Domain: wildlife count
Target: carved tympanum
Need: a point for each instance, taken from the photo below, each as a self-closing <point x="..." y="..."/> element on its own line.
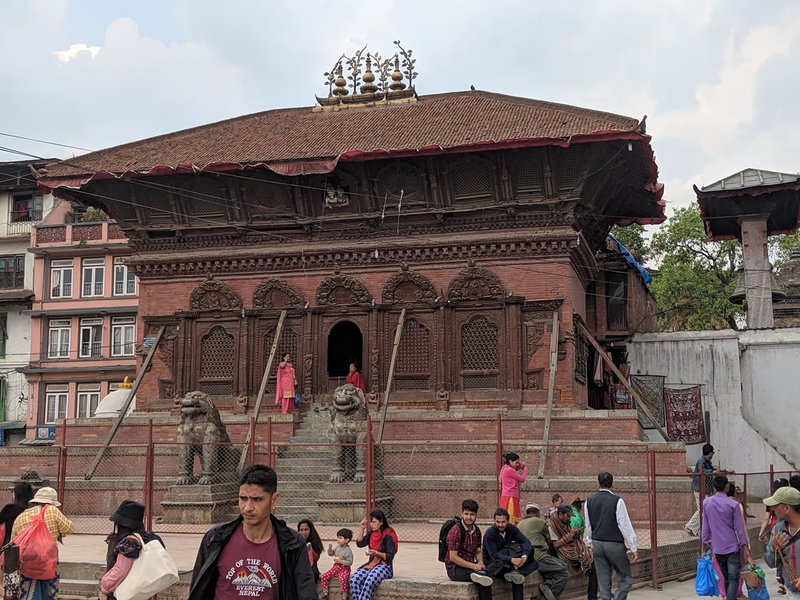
<point x="276" y="293"/>
<point x="214" y="295"/>
<point x="475" y="283"/>
<point x="342" y="290"/>
<point x="408" y="286"/>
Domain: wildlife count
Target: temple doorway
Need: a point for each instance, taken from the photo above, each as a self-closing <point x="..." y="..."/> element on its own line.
<point x="345" y="345"/>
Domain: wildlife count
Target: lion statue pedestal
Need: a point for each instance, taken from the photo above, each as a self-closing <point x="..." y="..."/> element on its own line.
<point x="343" y="498"/>
<point x="211" y="496"/>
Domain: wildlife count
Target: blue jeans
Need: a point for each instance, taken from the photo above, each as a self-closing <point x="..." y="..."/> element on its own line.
<point x="731" y="566"/>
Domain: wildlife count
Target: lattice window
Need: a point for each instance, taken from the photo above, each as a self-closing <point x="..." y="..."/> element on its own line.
<point x="479" y="345"/>
<point x="568" y="164"/>
<point x="413" y="355"/>
<point x="581" y="357"/>
<point x="287" y="343"/>
<point x="472" y="178"/>
<point x="527" y="173"/>
<point x="217" y="354"/>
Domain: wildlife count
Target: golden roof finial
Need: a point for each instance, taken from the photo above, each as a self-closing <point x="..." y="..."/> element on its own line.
<point x="369" y="86"/>
<point x="126" y="384"/>
<point x="397" y="84"/>
<point x="340" y="82"/>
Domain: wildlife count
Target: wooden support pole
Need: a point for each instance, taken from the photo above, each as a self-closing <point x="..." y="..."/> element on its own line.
<point x="263" y="387"/>
<point x="634" y="394"/>
<point x="397" y="335"/>
<point x="124" y="410"/>
<point x="551" y="384"/>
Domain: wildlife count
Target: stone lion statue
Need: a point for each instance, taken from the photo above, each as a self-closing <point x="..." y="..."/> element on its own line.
<point x="201" y="432"/>
<point x="348" y="426"/>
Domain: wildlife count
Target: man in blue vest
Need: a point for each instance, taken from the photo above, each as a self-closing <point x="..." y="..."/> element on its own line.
<point x="610" y="534"/>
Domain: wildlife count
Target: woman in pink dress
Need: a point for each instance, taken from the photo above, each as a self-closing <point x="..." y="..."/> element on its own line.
<point x="286" y="384"/>
<point x="511" y="476"/>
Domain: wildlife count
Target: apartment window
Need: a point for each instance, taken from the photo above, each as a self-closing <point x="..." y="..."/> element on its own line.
<point x="61" y="279"/>
<point x="124" y="279"/>
<point x="93" y="277"/>
<point x="12" y="272"/>
<point x="616" y="301"/>
<point x="55" y="404"/>
<point x="123" y="336"/>
<point x="26" y="207"/>
<point x="58" y="338"/>
<point x="91" y="338"/>
<point x="88" y="399"/>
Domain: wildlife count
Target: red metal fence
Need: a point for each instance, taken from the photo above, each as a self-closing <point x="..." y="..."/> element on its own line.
<point x="418" y="483"/>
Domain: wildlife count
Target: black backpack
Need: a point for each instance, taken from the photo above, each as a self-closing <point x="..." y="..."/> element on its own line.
<point x="445" y="529"/>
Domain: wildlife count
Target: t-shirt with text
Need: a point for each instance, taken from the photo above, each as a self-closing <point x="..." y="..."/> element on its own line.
<point x="248" y="570"/>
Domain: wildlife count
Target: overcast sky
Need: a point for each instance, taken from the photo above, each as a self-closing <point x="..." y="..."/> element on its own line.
<point x="717" y="79"/>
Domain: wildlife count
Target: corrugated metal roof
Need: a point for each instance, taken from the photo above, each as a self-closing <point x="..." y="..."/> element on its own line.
<point x="750" y="178"/>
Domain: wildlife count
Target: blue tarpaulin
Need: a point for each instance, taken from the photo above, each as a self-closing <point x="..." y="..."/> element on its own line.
<point x="646" y="278"/>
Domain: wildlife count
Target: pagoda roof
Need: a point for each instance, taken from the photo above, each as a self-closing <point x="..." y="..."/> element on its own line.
<point x="295" y="141"/>
<point x="750" y="178"/>
<point x="750" y="192"/>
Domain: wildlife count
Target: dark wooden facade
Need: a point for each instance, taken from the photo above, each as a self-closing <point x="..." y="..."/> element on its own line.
<point x="479" y="247"/>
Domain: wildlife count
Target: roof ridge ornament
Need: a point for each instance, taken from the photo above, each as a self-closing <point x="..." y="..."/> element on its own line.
<point x="381" y="82"/>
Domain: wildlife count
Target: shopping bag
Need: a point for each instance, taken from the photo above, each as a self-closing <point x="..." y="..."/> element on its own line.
<point x="755" y="581"/>
<point x="38" y="553"/>
<point x="297" y="399"/>
<point x="706" y="582"/>
<point x="151" y="573"/>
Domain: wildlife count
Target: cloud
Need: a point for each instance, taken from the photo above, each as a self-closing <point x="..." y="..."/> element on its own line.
<point x="74" y="50"/>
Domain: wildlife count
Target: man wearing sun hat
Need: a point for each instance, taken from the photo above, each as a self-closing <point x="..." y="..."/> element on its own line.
<point x="783" y="550"/>
<point x="45" y="499"/>
<point x="552" y="570"/>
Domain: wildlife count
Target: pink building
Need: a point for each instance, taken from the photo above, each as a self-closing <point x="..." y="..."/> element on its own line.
<point x="83" y="318"/>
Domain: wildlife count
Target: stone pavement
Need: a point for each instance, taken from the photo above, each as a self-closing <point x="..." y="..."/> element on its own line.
<point x="414" y="561"/>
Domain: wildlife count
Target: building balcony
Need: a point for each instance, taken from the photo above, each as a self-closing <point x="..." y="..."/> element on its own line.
<point x="74" y="234"/>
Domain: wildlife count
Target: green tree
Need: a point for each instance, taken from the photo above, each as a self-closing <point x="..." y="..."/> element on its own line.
<point x="696" y="276"/>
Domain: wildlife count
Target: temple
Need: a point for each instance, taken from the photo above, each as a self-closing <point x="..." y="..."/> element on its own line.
<point x="479" y="213"/>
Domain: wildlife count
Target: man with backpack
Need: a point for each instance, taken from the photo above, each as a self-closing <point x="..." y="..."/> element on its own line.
<point x="460" y="548"/>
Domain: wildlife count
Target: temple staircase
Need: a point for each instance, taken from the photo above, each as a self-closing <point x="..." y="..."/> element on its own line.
<point x="304" y="469"/>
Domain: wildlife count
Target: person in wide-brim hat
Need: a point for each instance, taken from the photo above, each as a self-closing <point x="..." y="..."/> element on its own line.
<point x="128" y="520"/>
<point x="46" y="495"/>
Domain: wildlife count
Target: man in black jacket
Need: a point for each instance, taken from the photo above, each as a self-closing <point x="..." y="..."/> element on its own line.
<point x="507" y="553"/>
<point x="255" y="555"/>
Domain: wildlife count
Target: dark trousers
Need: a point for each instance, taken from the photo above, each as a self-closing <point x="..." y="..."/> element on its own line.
<point x="591" y="588"/>
<point x="456" y="573"/>
<point x="730" y="565"/>
<point x="497" y="568"/>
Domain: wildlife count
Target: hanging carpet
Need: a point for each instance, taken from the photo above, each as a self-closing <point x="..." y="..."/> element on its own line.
<point x="651" y="390"/>
<point x="684" y="410"/>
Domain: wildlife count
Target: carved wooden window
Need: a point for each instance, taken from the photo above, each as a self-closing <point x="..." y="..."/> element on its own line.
<point x="217" y="362"/>
<point x="527" y="173"/>
<point x="480" y="364"/>
<point x="287" y="343"/>
<point x="567" y="164"/>
<point x="413" y="357"/>
<point x="616" y="301"/>
<point x="203" y="197"/>
<point x="472" y="178"/>
<point x="581" y="357"/>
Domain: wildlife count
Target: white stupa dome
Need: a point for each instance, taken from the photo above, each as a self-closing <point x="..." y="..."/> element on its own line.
<point x="112" y="404"/>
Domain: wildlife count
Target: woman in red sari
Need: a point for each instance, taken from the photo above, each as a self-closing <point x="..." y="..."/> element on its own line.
<point x="285" y="384"/>
<point x="355" y="378"/>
